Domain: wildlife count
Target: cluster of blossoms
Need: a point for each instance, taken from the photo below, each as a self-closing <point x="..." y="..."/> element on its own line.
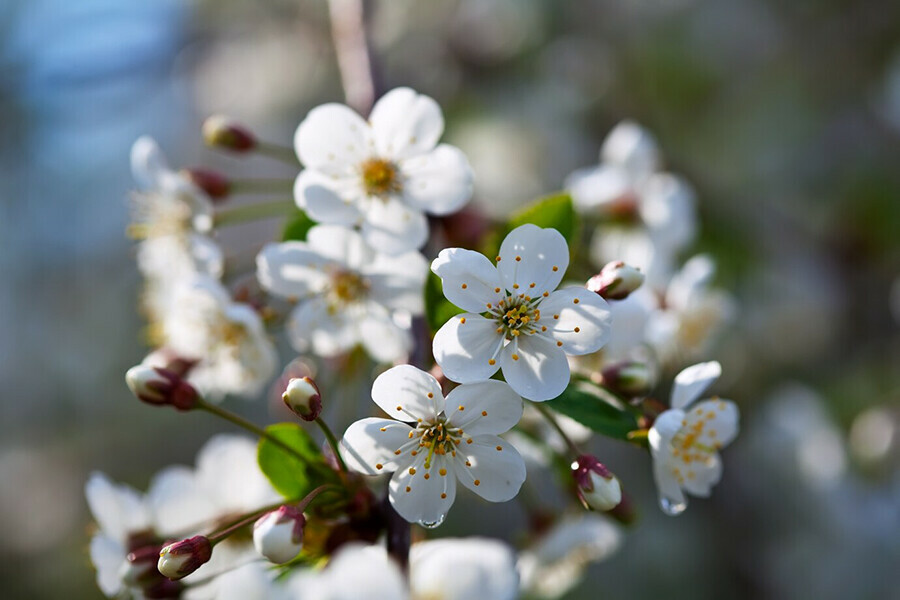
<point x="521" y="355"/>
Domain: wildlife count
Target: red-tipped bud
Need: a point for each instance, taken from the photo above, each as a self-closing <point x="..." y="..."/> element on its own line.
<point x="278" y="535"/>
<point x="598" y="488"/>
<point x="631" y="378"/>
<point x="215" y="184"/>
<point x="303" y="398"/>
<point x="183" y="558"/>
<point x="221" y="132"/>
<point x="158" y="386"/>
<point x="616" y="281"/>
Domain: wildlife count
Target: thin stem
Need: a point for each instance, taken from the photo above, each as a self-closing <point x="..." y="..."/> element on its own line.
<point x="282" y="153"/>
<point x="332" y="441"/>
<point x="261" y="186"/>
<point x="251" y="427"/>
<point x="348" y="34"/>
<point x="552" y="420"/>
<point x="254" y="212"/>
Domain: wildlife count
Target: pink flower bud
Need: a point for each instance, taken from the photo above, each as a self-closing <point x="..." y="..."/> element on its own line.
<point x="616" y="281"/>
<point x="631" y="378"/>
<point x="183" y="558"/>
<point x="278" y="535"/>
<point x="216" y="185"/>
<point x="221" y="132"/>
<point x="598" y="488"/>
<point x="155" y="385"/>
<point x="303" y="398"/>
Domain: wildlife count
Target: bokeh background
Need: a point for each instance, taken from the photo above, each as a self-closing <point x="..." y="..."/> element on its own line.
<point x="784" y="115"/>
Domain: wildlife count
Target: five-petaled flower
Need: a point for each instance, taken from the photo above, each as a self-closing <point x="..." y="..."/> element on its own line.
<point x="347" y="293"/>
<point x="685" y="443"/>
<point x="380" y="175"/>
<point x="516" y="321"/>
<point x="437" y="440"/>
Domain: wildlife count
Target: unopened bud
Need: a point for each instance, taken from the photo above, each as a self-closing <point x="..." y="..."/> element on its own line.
<point x="278" y="535"/>
<point x="221" y="132"/>
<point x="216" y="185"/>
<point x="183" y="558"/>
<point x="158" y="386"/>
<point x="616" y="281"/>
<point x="632" y="378"/>
<point x="598" y="488"/>
<point x="303" y="398"/>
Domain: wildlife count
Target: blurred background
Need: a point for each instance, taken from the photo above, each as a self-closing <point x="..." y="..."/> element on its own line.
<point x="784" y="115"/>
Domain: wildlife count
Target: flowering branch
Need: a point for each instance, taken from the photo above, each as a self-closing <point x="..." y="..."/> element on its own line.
<point x="355" y="65"/>
<point x="251" y="427"/>
<point x="555" y="424"/>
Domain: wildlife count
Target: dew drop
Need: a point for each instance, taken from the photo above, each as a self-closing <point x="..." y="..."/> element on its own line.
<point x="433" y="524"/>
<point x="671" y="508"/>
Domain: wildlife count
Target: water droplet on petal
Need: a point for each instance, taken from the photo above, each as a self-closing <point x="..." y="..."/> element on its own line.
<point x="672" y="508"/>
<point x="433" y="524"/>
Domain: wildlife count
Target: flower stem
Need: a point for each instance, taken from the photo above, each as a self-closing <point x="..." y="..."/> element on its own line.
<point x="282" y="153"/>
<point x="254" y="212"/>
<point x="552" y="420"/>
<point x="332" y="441"/>
<point x="348" y="32"/>
<point x="251" y="427"/>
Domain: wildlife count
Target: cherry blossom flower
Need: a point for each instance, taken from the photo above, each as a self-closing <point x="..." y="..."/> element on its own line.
<point x="381" y="174"/>
<point x="515" y="320"/>
<point x="227" y="338"/>
<point x="449" y="439"/>
<point x="347" y="293"/>
<point x="684" y="442"/>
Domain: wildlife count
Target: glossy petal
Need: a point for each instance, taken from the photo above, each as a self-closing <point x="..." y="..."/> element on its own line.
<point x="463" y="569"/>
<point x="488" y="407"/>
<point x="383" y="339"/>
<point x="421" y="499"/>
<point x="540" y="371"/>
<point x="372" y="442"/>
<point x="405" y="123"/>
<point x="407" y="393"/>
<point x="118" y="509"/>
<point x="671" y="498"/>
<point x="328" y="200"/>
<point x="392" y="227"/>
<point x="108" y="556"/>
<point x="291" y="270"/>
<point x="179" y="502"/>
<point x="439" y="182"/>
<point x="532" y="255"/>
<point x="633" y="148"/>
<point x="598" y="189"/>
<point x="499" y="473"/>
<point x="340" y="244"/>
<point x="469" y="279"/>
<point x="700" y="477"/>
<point x="228" y="471"/>
<point x="693" y="381"/>
<point x="397" y="282"/>
<point x="333" y="139"/>
<point x="148" y="163"/>
<point x="668" y="208"/>
<point x="578" y="318"/>
<point x="330" y="333"/>
<point x="720" y="422"/>
<point x="464" y="347"/>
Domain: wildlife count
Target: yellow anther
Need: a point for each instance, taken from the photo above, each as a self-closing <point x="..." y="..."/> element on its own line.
<point x="518" y="258"/>
<point x="499" y="448"/>
<point x="484" y="413"/>
<point x="412" y="471"/>
<point x="443" y="472"/>
<point x="477" y="482"/>
<point x="464" y="286"/>
<point x="575" y="301"/>
<point x="577" y="329"/>
<point x="491" y="361"/>
<point x="555" y="268"/>
<point x="515" y="357"/>
<point x="379" y="466"/>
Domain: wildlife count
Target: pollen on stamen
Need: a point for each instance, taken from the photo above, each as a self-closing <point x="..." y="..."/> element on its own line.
<point x="469" y="441"/>
<point x="411" y="434"/>
<point x="461" y="407"/>
<point x="532" y="284"/>
<point x="515" y="357"/>
<point x="477" y="482"/>
<point x="443" y="472"/>
<point x="498" y="258"/>
<point x="464" y="286"/>
<point x="468" y="464"/>
<point x="484" y="413"/>
<point x="496" y="290"/>
<point x="414" y="452"/>
<point x="408" y="489"/>
<point x="462" y="321"/>
<point x="555" y="268"/>
<point x="559" y="343"/>
<point x="443" y="495"/>
<point x="412" y="471"/>
<point x="384" y="429"/>
<point x="489" y="305"/>
<point x="427" y="476"/>
<point x="491" y="361"/>
<point x="543" y="328"/>
<point x="515" y="286"/>
<point x="379" y="466"/>
<point x="499" y="448"/>
<point x="577" y="329"/>
<point x="518" y="258"/>
<point x="399" y="407"/>
<point x="575" y="301"/>
<point x="397" y="452"/>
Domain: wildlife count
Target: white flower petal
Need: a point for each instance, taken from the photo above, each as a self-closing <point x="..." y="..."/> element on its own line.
<point x="372" y="442"/>
<point x="405" y="123"/>
<point x="207" y="255"/>
<point x="577" y="317"/>
<point x="690" y="282"/>
<point x="108" y="556"/>
<point x="539" y="370"/>
<point x="693" y="381"/>
<point x="328" y="200"/>
<point x="464" y="347"/>
<point x="330" y="333"/>
<point x="632" y="147"/>
<point x="291" y="270"/>
<point x="353" y="568"/>
<point x="469" y="279"/>
<point x="179" y="503"/>
<point x="702" y="475"/>
<point x="533" y="260"/>
<point x="407" y="393"/>
<point x="397" y="282"/>
<point x="671" y="498"/>
<point x="421" y="499"/>
<point x="463" y="569"/>
<point x="383" y="339"/>
<point x="499" y="473"/>
<point x="227" y="469"/>
<point x="439" y="183"/>
<point x="599" y="189"/>
<point x="118" y="509"/>
<point x="333" y="139"/>
<point x="148" y="163"/>
<point x="340" y="244"/>
<point x="720" y="422"/>
<point x="489" y="407"/>
<point x="392" y="227"/>
<point x="667" y="207"/>
<point x="665" y="427"/>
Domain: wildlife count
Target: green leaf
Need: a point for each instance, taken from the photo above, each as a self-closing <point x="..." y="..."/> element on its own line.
<point x="296" y="227"/>
<point x="592" y="408"/>
<point x="554" y="211"/>
<point x="291" y="476"/>
<point x="438" y="309"/>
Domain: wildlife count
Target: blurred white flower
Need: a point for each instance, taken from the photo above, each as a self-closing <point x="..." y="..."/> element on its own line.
<point x="348" y="293"/>
<point x="555" y="563"/>
<point x="381" y="174"/>
<point x="228" y="339"/>
<point x="685" y="443"/>
<point x="451" y="438"/>
<point x="531" y="328"/>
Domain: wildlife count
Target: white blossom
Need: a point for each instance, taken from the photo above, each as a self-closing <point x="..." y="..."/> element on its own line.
<point x="685" y="441"/>
<point x="347" y="293"/>
<point x="228" y="339"/>
<point x="449" y="439"/>
<point x="381" y="174"/>
<point x="515" y="320"/>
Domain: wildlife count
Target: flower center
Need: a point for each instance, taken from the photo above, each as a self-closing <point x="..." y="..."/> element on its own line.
<point x="347" y="287"/>
<point x="516" y="315"/>
<point x="438" y="438"/>
<point x="380" y="177"/>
